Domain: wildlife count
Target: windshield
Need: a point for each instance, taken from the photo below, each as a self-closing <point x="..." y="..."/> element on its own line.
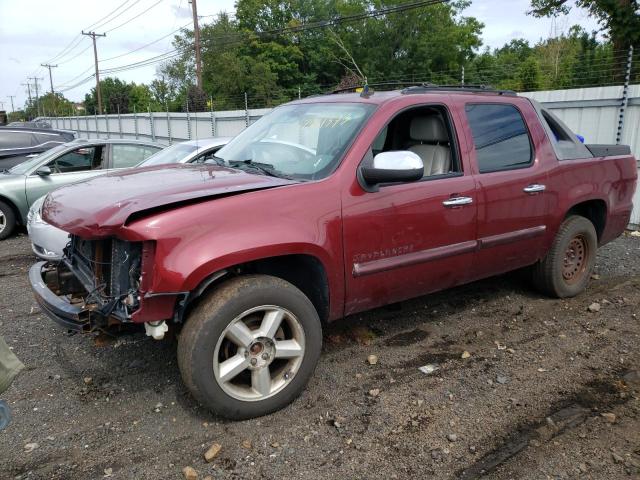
<point x="303" y="141"/>
<point x="172" y="154"/>
<point x="24" y="167"/>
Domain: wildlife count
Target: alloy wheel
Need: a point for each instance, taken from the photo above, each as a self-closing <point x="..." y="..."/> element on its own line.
<point x="259" y="353"/>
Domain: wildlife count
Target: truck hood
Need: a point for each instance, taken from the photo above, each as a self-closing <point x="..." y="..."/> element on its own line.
<point x="98" y="207"/>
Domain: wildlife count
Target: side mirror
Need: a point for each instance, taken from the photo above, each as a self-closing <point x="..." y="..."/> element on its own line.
<point x="392" y="167"/>
<point x="44" y="171"/>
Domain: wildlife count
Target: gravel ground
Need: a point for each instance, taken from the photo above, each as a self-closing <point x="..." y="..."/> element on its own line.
<point x="548" y="389"/>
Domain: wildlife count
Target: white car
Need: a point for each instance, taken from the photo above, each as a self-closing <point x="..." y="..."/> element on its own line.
<point x="48" y="242"/>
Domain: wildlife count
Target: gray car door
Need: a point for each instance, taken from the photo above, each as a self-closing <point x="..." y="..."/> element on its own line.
<point x="72" y="166"/>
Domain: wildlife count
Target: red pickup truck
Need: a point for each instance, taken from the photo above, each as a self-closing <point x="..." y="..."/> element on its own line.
<point x="325" y="207"/>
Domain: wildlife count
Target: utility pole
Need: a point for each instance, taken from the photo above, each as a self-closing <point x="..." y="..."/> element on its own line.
<point x="35" y="81"/>
<point x="12" y="97"/>
<point x="196" y="34"/>
<point x="93" y="36"/>
<point x="28" y="85"/>
<point x="50" y="77"/>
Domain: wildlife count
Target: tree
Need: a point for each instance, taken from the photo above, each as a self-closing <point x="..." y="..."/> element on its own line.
<point x="51" y="104"/>
<point x="529" y="75"/>
<point x="115" y="97"/>
<point x="259" y="53"/>
<point x="619" y="18"/>
<point x="141" y="99"/>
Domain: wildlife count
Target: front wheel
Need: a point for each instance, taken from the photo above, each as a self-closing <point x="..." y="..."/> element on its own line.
<point x="567" y="267"/>
<point x="250" y="347"/>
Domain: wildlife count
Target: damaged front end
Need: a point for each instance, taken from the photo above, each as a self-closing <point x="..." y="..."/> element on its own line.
<point x="96" y="286"/>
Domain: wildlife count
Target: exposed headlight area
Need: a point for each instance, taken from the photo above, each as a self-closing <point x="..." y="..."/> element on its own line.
<point x="101" y="277"/>
<point x="109" y="270"/>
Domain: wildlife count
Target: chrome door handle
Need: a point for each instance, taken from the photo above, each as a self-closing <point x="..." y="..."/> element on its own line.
<point x="457" y="202"/>
<point x="534" y="188"/>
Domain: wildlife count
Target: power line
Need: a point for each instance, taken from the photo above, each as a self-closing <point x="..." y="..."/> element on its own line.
<point x="146" y="45"/>
<point x="116" y="16"/>
<point x="75" y="56"/>
<point x="97" y="23"/>
<point x="133" y="18"/>
<point x="65" y="84"/>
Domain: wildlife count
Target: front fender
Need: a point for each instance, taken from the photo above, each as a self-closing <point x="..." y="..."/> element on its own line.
<point x="196" y="241"/>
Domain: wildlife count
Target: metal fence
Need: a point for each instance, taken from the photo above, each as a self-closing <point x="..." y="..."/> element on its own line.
<point x="161" y="127"/>
<point x="600" y="114"/>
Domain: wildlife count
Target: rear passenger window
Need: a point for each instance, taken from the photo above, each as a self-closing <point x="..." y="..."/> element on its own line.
<point x="125" y="156"/>
<point x="500" y="136"/>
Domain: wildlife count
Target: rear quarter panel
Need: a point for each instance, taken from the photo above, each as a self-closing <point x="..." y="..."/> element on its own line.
<point x="610" y="179"/>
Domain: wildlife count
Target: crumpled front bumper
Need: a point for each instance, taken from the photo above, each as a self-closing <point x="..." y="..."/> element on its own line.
<point x="69" y="316"/>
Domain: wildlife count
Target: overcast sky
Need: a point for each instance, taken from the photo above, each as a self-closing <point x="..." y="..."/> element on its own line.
<point x="38" y="31"/>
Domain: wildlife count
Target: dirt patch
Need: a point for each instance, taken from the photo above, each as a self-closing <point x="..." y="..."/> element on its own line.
<point x="546" y="389"/>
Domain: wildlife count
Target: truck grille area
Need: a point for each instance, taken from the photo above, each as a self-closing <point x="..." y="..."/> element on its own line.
<point x="109" y="270"/>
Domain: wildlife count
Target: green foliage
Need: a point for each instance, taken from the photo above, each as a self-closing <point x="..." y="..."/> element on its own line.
<point x="119" y="96"/>
<point x="619" y="18"/>
<point x="262" y="54"/>
<point x="51" y="104"/>
<point x="247" y="55"/>
<point x="17" y="116"/>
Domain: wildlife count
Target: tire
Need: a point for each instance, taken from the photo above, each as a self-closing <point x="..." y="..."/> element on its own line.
<point x="566" y="269"/>
<point x="7" y="221"/>
<point x="213" y="334"/>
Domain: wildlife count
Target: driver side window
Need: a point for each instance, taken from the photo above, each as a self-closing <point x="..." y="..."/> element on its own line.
<point x="425" y="131"/>
<point x="79" y="160"/>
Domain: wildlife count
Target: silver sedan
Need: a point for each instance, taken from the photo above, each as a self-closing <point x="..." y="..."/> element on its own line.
<point x="48" y="242"/>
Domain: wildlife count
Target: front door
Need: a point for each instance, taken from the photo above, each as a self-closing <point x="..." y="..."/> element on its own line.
<point x="72" y="166"/>
<point x="409" y="239"/>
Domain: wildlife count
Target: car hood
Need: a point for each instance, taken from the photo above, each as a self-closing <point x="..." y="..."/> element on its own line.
<point x="100" y="206"/>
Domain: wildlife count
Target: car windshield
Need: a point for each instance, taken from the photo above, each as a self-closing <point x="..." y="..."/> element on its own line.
<point x="304" y="141"/>
<point x="24" y="167"/>
<point x="172" y="154"/>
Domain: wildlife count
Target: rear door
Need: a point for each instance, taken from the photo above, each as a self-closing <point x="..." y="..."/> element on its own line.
<point x="511" y="183"/>
<point x="128" y="155"/>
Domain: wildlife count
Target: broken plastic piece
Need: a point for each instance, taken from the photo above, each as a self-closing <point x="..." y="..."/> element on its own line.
<point x="156" y="329"/>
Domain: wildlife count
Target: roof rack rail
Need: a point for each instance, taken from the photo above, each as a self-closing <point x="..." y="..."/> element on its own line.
<point x="471" y="88"/>
<point x="353" y="88"/>
<point x="422" y="87"/>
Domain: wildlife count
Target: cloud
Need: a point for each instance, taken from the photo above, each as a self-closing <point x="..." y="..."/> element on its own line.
<point x="181" y="12"/>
